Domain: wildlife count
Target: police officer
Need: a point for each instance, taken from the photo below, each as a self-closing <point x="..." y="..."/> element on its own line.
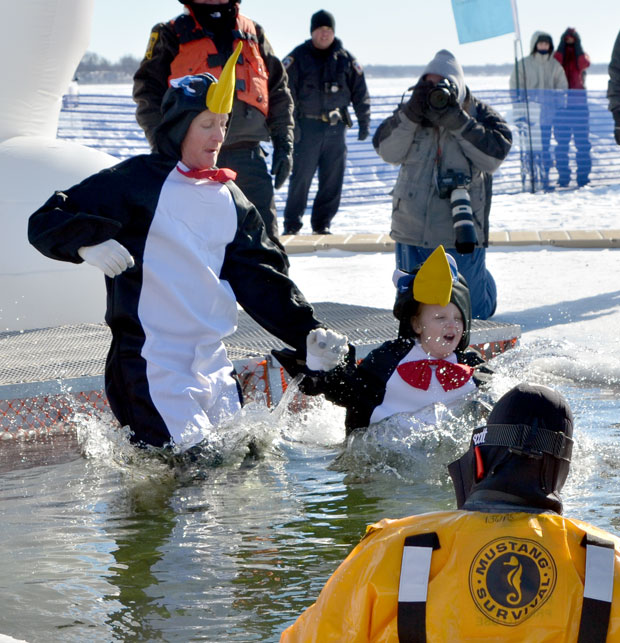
<point x="201" y="40"/>
<point x="324" y="78"/>
<point x="507" y="566"/>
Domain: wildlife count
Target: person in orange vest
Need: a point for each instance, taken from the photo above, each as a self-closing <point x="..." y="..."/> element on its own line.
<point x="201" y="40"/>
<point x="505" y="566"/>
<point x="574" y="119"/>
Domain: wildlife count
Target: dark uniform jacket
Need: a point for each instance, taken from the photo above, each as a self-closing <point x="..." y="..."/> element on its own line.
<point x="360" y="388"/>
<point x="613" y="89"/>
<point x="247" y="125"/>
<point x="323" y="80"/>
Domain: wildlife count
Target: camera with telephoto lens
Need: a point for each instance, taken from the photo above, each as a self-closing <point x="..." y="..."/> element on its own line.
<point x="442" y="95"/>
<point x="453" y="185"/>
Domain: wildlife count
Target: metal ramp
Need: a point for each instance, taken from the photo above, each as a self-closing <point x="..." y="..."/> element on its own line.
<point x="69" y="361"/>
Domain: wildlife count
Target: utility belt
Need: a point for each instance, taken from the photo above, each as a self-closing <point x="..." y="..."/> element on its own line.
<point x="333" y="117"/>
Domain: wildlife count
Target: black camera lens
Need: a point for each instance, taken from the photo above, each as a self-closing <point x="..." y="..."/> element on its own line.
<point x="438" y="98"/>
<point x="442" y="95"/>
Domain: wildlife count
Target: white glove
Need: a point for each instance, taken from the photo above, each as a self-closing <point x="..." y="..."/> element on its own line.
<point x="325" y="349"/>
<point x="110" y="257"/>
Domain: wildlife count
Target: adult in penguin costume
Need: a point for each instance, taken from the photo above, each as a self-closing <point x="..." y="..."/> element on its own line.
<point x="180" y="246"/>
<point x="505" y="566"/>
<point x="429" y="362"/>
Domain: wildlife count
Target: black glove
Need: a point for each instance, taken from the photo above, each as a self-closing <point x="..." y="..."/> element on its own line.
<point x="616" y="115"/>
<point x="282" y="163"/>
<point x="363" y="132"/>
<point x="452" y="117"/>
<point x="416" y="107"/>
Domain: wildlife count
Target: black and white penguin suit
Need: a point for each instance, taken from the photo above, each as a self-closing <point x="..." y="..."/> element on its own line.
<point x="200" y="247"/>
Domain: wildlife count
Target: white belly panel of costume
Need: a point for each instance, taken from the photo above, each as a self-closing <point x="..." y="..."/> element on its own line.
<point x="186" y="309"/>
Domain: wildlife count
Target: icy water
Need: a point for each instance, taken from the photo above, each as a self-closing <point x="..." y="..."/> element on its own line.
<point x="100" y="542"/>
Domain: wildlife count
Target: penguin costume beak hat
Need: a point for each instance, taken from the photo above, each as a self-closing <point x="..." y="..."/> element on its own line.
<point x="521" y="456"/>
<point x="436" y="281"/>
<point x="189" y="96"/>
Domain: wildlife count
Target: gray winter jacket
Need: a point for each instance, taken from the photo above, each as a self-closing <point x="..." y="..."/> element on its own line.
<point x="541" y="71"/>
<point x="419" y="216"/>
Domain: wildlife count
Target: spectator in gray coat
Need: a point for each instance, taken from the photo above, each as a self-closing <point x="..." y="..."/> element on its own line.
<point x="445" y="152"/>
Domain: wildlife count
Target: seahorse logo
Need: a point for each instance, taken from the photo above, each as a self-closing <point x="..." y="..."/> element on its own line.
<point x="514" y="580"/>
<point x="511" y="578"/>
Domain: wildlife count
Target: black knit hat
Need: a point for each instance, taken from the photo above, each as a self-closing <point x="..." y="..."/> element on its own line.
<point x="322" y="18"/>
<point x="524" y="451"/>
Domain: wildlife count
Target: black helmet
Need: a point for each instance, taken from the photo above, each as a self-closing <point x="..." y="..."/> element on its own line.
<point x="522" y="455"/>
<point x="405" y="306"/>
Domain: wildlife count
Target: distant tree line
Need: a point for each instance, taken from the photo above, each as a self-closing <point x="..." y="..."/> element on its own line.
<point x="94" y="69"/>
<point x="414" y="71"/>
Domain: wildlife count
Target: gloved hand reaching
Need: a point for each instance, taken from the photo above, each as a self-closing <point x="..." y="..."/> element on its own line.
<point x="325" y="349"/>
<point x="110" y="257"/>
<point x="282" y="163"/>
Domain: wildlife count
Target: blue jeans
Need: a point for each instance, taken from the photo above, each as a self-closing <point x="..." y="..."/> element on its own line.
<point x="482" y="288"/>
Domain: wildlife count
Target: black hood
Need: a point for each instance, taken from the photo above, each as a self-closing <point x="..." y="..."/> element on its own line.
<point x="406" y="306"/>
<point x="180" y="105"/>
<point x="521" y="456"/>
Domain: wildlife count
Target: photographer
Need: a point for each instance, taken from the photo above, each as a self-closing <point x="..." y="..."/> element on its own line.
<point x="447" y="143"/>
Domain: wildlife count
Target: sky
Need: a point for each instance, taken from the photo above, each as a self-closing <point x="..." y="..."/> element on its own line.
<point x="400" y="32"/>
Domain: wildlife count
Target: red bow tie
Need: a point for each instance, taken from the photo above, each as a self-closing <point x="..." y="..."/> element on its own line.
<point x="450" y="375"/>
<point x="221" y="175"/>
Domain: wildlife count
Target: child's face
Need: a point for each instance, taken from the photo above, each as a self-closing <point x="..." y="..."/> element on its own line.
<point x="203" y="140"/>
<point x="439" y="328"/>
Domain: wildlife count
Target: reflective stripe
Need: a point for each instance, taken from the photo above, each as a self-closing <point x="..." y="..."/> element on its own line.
<point x="598" y="589"/>
<point x="414" y="571"/>
<point x="599" y="583"/>
<point x="415" y="568"/>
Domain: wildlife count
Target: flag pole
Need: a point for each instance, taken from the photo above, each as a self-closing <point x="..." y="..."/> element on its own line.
<point x="518" y="47"/>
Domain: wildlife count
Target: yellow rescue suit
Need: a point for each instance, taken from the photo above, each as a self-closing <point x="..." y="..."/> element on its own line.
<point x="492" y="576"/>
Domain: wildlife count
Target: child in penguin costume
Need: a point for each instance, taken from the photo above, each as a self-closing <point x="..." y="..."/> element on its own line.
<point x="180" y="246"/>
<point x="429" y="361"/>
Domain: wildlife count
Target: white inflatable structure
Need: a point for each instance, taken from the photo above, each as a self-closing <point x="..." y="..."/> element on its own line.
<point x="41" y="47"/>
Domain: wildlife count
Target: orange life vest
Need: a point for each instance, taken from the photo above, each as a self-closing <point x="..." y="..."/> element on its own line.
<point x="198" y="54"/>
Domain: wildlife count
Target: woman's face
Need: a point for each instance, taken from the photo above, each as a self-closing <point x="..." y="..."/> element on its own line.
<point x="439" y="328"/>
<point x="203" y="140"/>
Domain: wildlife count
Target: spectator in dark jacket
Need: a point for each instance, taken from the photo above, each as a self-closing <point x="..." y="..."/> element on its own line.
<point x="573" y="119"/>
<point x="613" y="88"/>
<point x="200" y="40"/>
<point x="324" y="78"/>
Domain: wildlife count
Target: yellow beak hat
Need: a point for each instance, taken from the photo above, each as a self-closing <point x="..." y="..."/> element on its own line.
<point x="221" y="93"/>
<point x="189" y="96"/>
<point x="436" y="281"/>
<point x="433" y="282"/>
